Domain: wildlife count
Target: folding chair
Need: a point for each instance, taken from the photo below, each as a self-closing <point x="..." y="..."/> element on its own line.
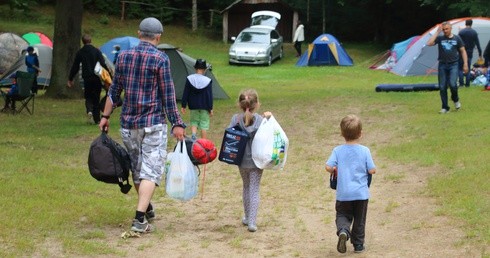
<point x="25" y="82"/>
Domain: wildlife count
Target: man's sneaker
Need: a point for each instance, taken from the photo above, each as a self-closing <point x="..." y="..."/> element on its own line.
<point x="90" y="118"/>
<point x="150" y="215"/>
<point x="359" y="248"/>
<point x="341" y="244"/>
<point x="144" y="227"/>
<point x="457" y="105"/>
<point x="443" y="111"/>
<point x="252" y="228"/>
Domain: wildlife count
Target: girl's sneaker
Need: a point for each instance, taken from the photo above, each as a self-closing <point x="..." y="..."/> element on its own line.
<point x="252" y="228"/>
<point x="244" y="221"/>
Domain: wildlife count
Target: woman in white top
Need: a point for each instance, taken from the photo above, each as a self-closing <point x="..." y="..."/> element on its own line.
<point x="299" y="37"/>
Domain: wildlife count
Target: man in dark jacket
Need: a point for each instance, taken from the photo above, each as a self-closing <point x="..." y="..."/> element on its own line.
<point x="88" y="56"/>
<point x="198" y="94"/>
<point x="470" y="39"/>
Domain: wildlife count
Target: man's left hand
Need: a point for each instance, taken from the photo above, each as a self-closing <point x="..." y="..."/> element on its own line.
<point x="178" y="132"/>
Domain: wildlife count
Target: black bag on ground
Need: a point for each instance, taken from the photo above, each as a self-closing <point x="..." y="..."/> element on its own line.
<point x="109" y="162"/>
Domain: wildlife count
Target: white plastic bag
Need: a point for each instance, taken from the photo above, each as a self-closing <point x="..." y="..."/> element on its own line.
<point x="181" y="174"/>
<point x="270" y="145"/>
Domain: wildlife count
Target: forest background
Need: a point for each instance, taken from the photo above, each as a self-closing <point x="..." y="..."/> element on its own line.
<point x="380" y="21"/>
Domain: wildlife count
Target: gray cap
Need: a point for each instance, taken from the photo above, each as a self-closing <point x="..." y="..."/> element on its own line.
<point x="151" y="25"/>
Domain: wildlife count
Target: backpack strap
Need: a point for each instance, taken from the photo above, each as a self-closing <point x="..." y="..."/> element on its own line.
<point x="124" y="187"/>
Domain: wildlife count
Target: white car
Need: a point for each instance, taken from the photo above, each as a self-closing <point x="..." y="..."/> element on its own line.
<point x="259" y="43"/>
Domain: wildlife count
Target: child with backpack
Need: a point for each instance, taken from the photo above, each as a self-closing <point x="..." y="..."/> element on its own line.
<point x="249" y="120"/>
<point x="352" y="162"/>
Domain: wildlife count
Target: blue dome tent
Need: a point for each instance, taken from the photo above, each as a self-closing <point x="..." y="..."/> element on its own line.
<point x="325" y="50"/>
<point x="124" y="42"/>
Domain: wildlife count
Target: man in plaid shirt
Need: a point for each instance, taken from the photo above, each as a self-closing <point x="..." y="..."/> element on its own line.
<point x="143" y="72"/>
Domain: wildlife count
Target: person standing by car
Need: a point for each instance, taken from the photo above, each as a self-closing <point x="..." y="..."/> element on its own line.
<point x="198" y="94"/>
<point x="88" y="56"/>
<point x="299" y="37"/>
<point x="470" y="39"/>
<point x="451" y="47"/>
<point x="143" y="72"/>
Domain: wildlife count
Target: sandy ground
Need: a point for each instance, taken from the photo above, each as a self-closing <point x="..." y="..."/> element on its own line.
<point x="296" y="215"/>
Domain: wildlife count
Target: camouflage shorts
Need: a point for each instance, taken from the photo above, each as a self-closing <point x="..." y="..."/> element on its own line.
<point x="147" y="148"/>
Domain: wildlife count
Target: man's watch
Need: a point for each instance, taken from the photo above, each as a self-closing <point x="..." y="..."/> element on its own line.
<point x="106" y="117"/>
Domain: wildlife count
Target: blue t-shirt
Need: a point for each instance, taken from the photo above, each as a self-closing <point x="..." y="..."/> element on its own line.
<point x="353" y="161"/>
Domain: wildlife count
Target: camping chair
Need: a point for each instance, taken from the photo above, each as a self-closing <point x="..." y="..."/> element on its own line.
<point x="25" y="82"/>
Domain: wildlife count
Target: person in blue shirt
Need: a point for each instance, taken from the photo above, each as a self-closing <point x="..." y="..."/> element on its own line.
<point x="353" y="164"/>
<point x="116" y="51"/>
<point x="9" y="96"/>
<point x="32" y="63"/>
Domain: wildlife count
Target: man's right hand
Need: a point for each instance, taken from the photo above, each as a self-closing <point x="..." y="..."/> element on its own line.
<point x="69" y="84"/>
<point x="104" y="125"/>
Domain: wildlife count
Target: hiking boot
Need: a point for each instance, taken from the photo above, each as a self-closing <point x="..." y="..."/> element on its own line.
<point x="341" y="244"/>
<point x="144" y="227"/>
<point x="150" y="215"/>
<point x="443" y="111"/>
<point x="359" y="248"/>
<point x="252" y="228"/>
<point x="244" y="221"/>
<point x="457" y="105"/>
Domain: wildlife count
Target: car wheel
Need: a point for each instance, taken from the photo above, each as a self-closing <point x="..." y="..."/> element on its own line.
<point x="269" y="61"/>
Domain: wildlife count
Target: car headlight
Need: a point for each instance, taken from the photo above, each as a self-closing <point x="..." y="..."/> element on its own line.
<point x="232" y="51"/>
<point x="262" y="51"/>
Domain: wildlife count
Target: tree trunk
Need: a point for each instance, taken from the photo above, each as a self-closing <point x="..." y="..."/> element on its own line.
<point x="194" y="15"/>
<point x="66" y="42"/>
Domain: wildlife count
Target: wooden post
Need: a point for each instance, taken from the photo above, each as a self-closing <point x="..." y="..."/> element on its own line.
<point x="123" y="5"/>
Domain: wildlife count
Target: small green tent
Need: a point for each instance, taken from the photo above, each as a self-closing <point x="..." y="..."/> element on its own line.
<point x="182" y="65"/>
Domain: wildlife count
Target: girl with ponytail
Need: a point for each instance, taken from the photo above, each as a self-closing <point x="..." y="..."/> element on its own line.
<point x="249" y="120"/>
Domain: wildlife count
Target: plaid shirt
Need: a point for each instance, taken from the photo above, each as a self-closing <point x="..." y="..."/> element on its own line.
<point x="143" y="72"/>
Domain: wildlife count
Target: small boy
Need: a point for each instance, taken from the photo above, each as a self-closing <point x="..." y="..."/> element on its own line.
<point x="198" y="94"/>
<point x="353" y="163"/>
<point x="9" y="96"/>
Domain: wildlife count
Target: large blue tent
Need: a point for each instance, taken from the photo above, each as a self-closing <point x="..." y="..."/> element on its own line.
<point x="325" y="50"/>
<point x="126" y="42"/>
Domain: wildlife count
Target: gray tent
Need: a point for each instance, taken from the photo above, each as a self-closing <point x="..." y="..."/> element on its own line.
<point x="11" y="47"/>
<point x="182" y="65"/>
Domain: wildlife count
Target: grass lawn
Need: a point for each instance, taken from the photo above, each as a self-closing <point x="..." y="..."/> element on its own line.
<point x="48" y="193"/>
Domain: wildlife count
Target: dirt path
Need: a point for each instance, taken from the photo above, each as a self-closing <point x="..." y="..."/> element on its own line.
<point x="296" y="215"/>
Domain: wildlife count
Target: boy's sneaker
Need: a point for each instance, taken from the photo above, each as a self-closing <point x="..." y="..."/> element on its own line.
<point x="359" y="248"/>
<point x="341" y="244"/>
<point x="150" y="215"/>
<point x="144" y="227"/>
<point x="443" y="111"/>
<point x="457" y="105"/>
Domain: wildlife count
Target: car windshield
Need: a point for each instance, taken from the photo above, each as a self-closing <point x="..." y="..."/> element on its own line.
<point x="253" y="37"/>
